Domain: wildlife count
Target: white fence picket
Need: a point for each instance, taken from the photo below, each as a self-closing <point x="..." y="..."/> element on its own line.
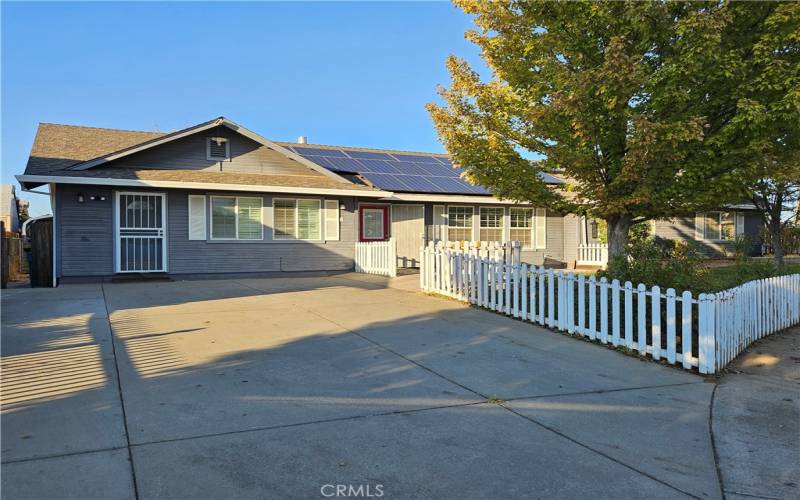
<point x="727" y="322"/>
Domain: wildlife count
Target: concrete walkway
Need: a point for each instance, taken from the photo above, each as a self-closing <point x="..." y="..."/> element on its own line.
<point x="277" y="387"/>
<point x="756" y="417"/>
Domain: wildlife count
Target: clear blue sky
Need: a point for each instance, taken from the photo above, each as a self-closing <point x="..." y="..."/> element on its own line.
<point x="341" y="73"/>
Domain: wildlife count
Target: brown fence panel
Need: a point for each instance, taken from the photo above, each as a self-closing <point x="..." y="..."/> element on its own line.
<point x="42" y="253"/>
<point x="3" y="256"/>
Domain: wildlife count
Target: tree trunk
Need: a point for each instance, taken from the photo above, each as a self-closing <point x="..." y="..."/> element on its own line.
<point x="777" y="246"/>
<point x="618" y="229"/>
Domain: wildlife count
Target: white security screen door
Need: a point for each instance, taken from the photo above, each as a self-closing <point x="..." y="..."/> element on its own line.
<point x="141" y="232"/>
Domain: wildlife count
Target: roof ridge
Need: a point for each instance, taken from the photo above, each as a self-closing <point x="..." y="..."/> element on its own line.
<point x="356" y="148"/>
<point x="104" y="128"/>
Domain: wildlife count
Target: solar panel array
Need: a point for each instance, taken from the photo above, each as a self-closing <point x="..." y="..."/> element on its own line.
<point x="417" y="173"/>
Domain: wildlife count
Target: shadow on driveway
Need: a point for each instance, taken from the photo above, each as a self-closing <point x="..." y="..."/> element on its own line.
<point x="278" y="386"/>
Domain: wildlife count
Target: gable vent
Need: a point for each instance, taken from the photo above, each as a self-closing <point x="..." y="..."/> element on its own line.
<point x="217" y="148"/>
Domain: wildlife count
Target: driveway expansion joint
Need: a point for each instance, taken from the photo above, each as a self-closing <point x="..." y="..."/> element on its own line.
<point x="121" y="397"/>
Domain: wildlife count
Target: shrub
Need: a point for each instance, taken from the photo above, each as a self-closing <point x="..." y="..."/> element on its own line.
<point x="677" y="265"/>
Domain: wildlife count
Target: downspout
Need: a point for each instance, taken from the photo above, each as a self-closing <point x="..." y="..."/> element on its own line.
<point x="55" y="231"/>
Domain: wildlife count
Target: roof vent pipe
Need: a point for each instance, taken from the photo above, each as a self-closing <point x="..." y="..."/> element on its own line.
<point x="302" y="140"/>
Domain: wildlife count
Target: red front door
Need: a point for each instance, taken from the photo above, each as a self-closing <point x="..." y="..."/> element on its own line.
<point x="374" y="222"/>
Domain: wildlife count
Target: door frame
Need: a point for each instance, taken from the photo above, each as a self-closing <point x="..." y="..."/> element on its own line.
<point x="387" y="220"/>
<point x="118" y="237"/>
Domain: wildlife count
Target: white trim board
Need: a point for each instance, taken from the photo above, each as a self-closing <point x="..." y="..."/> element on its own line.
<point x="210" y="186"/>
<point x="450" y="199"/>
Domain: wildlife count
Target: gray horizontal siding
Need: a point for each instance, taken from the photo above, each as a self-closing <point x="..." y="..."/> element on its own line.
<point x="85" y="243"/>
<point x="196" y="256"/>
<point x="85" y="231"/>
<point x="683" y="229"/>
<point x="189" y="153"/>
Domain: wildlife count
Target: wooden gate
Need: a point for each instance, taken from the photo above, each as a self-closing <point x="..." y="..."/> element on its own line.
<point x="41" y="232"/>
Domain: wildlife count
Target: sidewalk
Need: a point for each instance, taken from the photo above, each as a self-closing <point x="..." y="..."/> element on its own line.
<point x="756" y="420"/>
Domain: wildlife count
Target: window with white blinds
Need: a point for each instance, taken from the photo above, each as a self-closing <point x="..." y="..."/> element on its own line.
<point x="235" y="218"/>
<point x="308" y="224"/>
<point x="331" y="220"/>
<point x="197" y="217"/>
<point x="249" y="214"/>
<point x="459" y="223"/>
<point x="297" y="219"/>
<point x="491" y="223"/>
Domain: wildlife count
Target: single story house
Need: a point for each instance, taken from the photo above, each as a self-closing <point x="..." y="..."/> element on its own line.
<point x="219" y="198"/>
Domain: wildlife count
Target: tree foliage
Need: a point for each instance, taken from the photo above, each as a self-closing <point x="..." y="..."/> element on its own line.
<point x="647" y="109"/>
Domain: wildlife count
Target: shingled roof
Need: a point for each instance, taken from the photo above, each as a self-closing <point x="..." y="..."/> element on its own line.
<point x="57" y="147"/>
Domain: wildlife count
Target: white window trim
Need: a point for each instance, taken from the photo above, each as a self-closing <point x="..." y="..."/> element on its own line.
<point x="320" y="216"/>
<point x="531" y="229"/>
<point x="472" y="220"/>
<point x="736" y="233"/>
<point x="236" y="213"/>
<point x="218" y="158"/>
<point x="502" y="227"/>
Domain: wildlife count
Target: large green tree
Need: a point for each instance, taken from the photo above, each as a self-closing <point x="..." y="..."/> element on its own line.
<point x="635" y="104"/>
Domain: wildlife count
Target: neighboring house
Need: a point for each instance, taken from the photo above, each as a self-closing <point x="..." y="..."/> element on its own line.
<point x="218" y="198"/>
<point x="9" y="208"/>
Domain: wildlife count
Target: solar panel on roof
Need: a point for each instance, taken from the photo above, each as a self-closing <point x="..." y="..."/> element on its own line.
<point x="386" y="181"/>
<point x="418" y="183"/>
<point x="410" y="168"/>
<point x="416" y="158"/>
<point x="377" y="166"/>
<point x="318" y="152"/>
<point x="369" y="155"/>
<point x="337" y="164"/>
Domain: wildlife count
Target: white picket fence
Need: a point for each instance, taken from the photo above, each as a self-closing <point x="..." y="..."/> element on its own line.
<point x="376" y="257"/>
<point x="705" y="332"/>
<point x="593" y="254"/>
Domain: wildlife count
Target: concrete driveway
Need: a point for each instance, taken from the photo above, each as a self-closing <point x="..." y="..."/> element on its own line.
<point x="277" y="387"/>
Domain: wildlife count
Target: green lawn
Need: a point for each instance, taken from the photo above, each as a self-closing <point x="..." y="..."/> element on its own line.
<point x="720" y="278"/>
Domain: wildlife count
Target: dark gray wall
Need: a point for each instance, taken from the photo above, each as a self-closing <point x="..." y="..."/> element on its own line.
<point x="683" y="228"/>
<point x="85" y="245"/>
<point x="86" y="238"/>
<point x="189" y="153"/>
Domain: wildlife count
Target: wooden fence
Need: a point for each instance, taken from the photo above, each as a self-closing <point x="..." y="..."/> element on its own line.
<point x="376" y="257"/>
<point x="706" y="331"/>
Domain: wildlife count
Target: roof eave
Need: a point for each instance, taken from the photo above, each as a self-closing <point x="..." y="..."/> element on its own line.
<point x="31" y="180"/>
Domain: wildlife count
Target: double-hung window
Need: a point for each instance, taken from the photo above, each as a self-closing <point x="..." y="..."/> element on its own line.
<point x="459" y="223"/>
<point x="529" y="227"/>
<point x="297" y="219"/>
<point x="491" y="223"/>
<point x="236" y="218"/>
<point x="720" y="226"/>
<point x="522" y="226"/>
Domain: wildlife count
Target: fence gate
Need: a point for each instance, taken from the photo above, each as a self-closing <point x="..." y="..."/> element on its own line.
<point x="141" y="232"/>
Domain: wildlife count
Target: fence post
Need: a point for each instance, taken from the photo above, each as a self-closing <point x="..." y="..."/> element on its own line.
<point x="392" y="258"/>
<point x="706" y="334"/>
